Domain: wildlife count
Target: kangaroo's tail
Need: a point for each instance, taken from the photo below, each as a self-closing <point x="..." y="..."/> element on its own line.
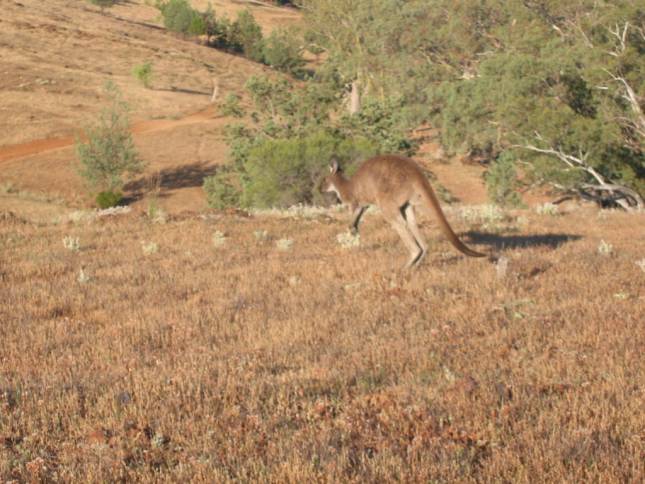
<point x="431" y="199"/>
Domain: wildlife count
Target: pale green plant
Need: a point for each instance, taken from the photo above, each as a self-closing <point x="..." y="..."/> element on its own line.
<point x="298" y="211"/>
<point x="347" y="240"/>
<point x="294" y="281"/>
<point x="7" y="188"/>
<point x="71" y="243"/>
<point x="547" y="209"/>
<point x="489" y="216"/>
<point x="83" y="277"/>
<point x="149" y="248"/>
<point x="261" y="235"/>
<point x="284" y="244"/>
<point x="605" y="248"/>
<point x="219" y="239"/>
<point x="143" y="73"/>
<point x="155" y="213"/>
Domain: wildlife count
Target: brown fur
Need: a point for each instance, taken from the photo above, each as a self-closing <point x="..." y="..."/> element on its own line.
<point x="397" y="186"/>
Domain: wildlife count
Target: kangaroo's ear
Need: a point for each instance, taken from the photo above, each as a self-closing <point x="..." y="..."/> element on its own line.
<point x="334" y="168"/>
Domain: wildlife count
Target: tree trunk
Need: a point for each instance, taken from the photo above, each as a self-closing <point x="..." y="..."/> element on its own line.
<point x="215" y="89"/>
<point x="355" y="99"/>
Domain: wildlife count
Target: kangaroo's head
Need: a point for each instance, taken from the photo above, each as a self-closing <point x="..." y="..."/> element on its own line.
<point x="331" y="182"/>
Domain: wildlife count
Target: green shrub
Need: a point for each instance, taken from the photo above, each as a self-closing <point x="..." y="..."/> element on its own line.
<point x="179" y="16"/>
<point x="502" y="183"/>
<point x="245" y="36"/>
<point x="282" y="52"/>
<point x="281" y="173"/>
<point x="108" y="199"/>
<point x="143" y="73"/>
<point x="106" y="151"/>
<point x="231" y="106"/>
<point x="222" y="189"/>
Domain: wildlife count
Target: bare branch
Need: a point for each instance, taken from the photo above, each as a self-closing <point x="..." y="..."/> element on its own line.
<point x="634" y="102"/>
<point x="577" y="27"/>
<point x="623" y="196"/>
<point x="621" y="38"/>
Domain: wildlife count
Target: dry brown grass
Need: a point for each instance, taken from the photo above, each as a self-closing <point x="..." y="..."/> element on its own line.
<point x="245" y="362"/>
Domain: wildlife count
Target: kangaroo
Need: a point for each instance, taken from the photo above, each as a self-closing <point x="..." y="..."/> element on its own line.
<point x="397" y="186"/>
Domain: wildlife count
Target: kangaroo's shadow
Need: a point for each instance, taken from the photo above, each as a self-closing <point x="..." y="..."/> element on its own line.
<point x="502" y="242"/>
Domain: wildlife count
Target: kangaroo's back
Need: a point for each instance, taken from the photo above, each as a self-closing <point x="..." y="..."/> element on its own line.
<point x="387" y="179"/>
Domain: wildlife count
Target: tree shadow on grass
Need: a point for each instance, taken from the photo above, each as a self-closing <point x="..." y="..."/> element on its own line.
<point x="184" y="176"/>
<point x="502" y="242"/>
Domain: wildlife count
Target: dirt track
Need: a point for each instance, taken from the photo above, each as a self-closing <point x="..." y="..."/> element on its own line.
<point x="41" y="146"/>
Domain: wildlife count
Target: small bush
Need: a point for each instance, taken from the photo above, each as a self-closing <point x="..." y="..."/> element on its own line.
<point x="502" y="183"/>
<point x="222" y="189"/>
<point x="107" y="154"/>
<point x="108" y="199"/>
<point x="143" y="73"/>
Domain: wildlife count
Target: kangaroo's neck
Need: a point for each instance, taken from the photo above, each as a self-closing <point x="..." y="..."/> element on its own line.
<point x="344" y="189"/>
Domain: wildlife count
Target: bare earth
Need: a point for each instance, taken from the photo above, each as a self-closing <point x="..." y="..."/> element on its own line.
<point x="233" y="347"/>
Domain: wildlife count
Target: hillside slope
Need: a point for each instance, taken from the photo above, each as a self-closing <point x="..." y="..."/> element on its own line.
<point x="57" y="55"/>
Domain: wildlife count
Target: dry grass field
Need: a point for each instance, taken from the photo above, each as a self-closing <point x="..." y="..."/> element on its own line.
<point x="207" y="349"/>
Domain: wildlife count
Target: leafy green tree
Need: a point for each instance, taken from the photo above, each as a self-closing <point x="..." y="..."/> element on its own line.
<point x="106" y="152"/>
<point x="245" y="35"/>
<point x="561" y="83"/>
<point x="179" y="16"/>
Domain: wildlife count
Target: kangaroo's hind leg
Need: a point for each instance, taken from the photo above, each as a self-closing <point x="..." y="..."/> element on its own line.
<point x="397" y="221"/>
<point x="410" y="218"/>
